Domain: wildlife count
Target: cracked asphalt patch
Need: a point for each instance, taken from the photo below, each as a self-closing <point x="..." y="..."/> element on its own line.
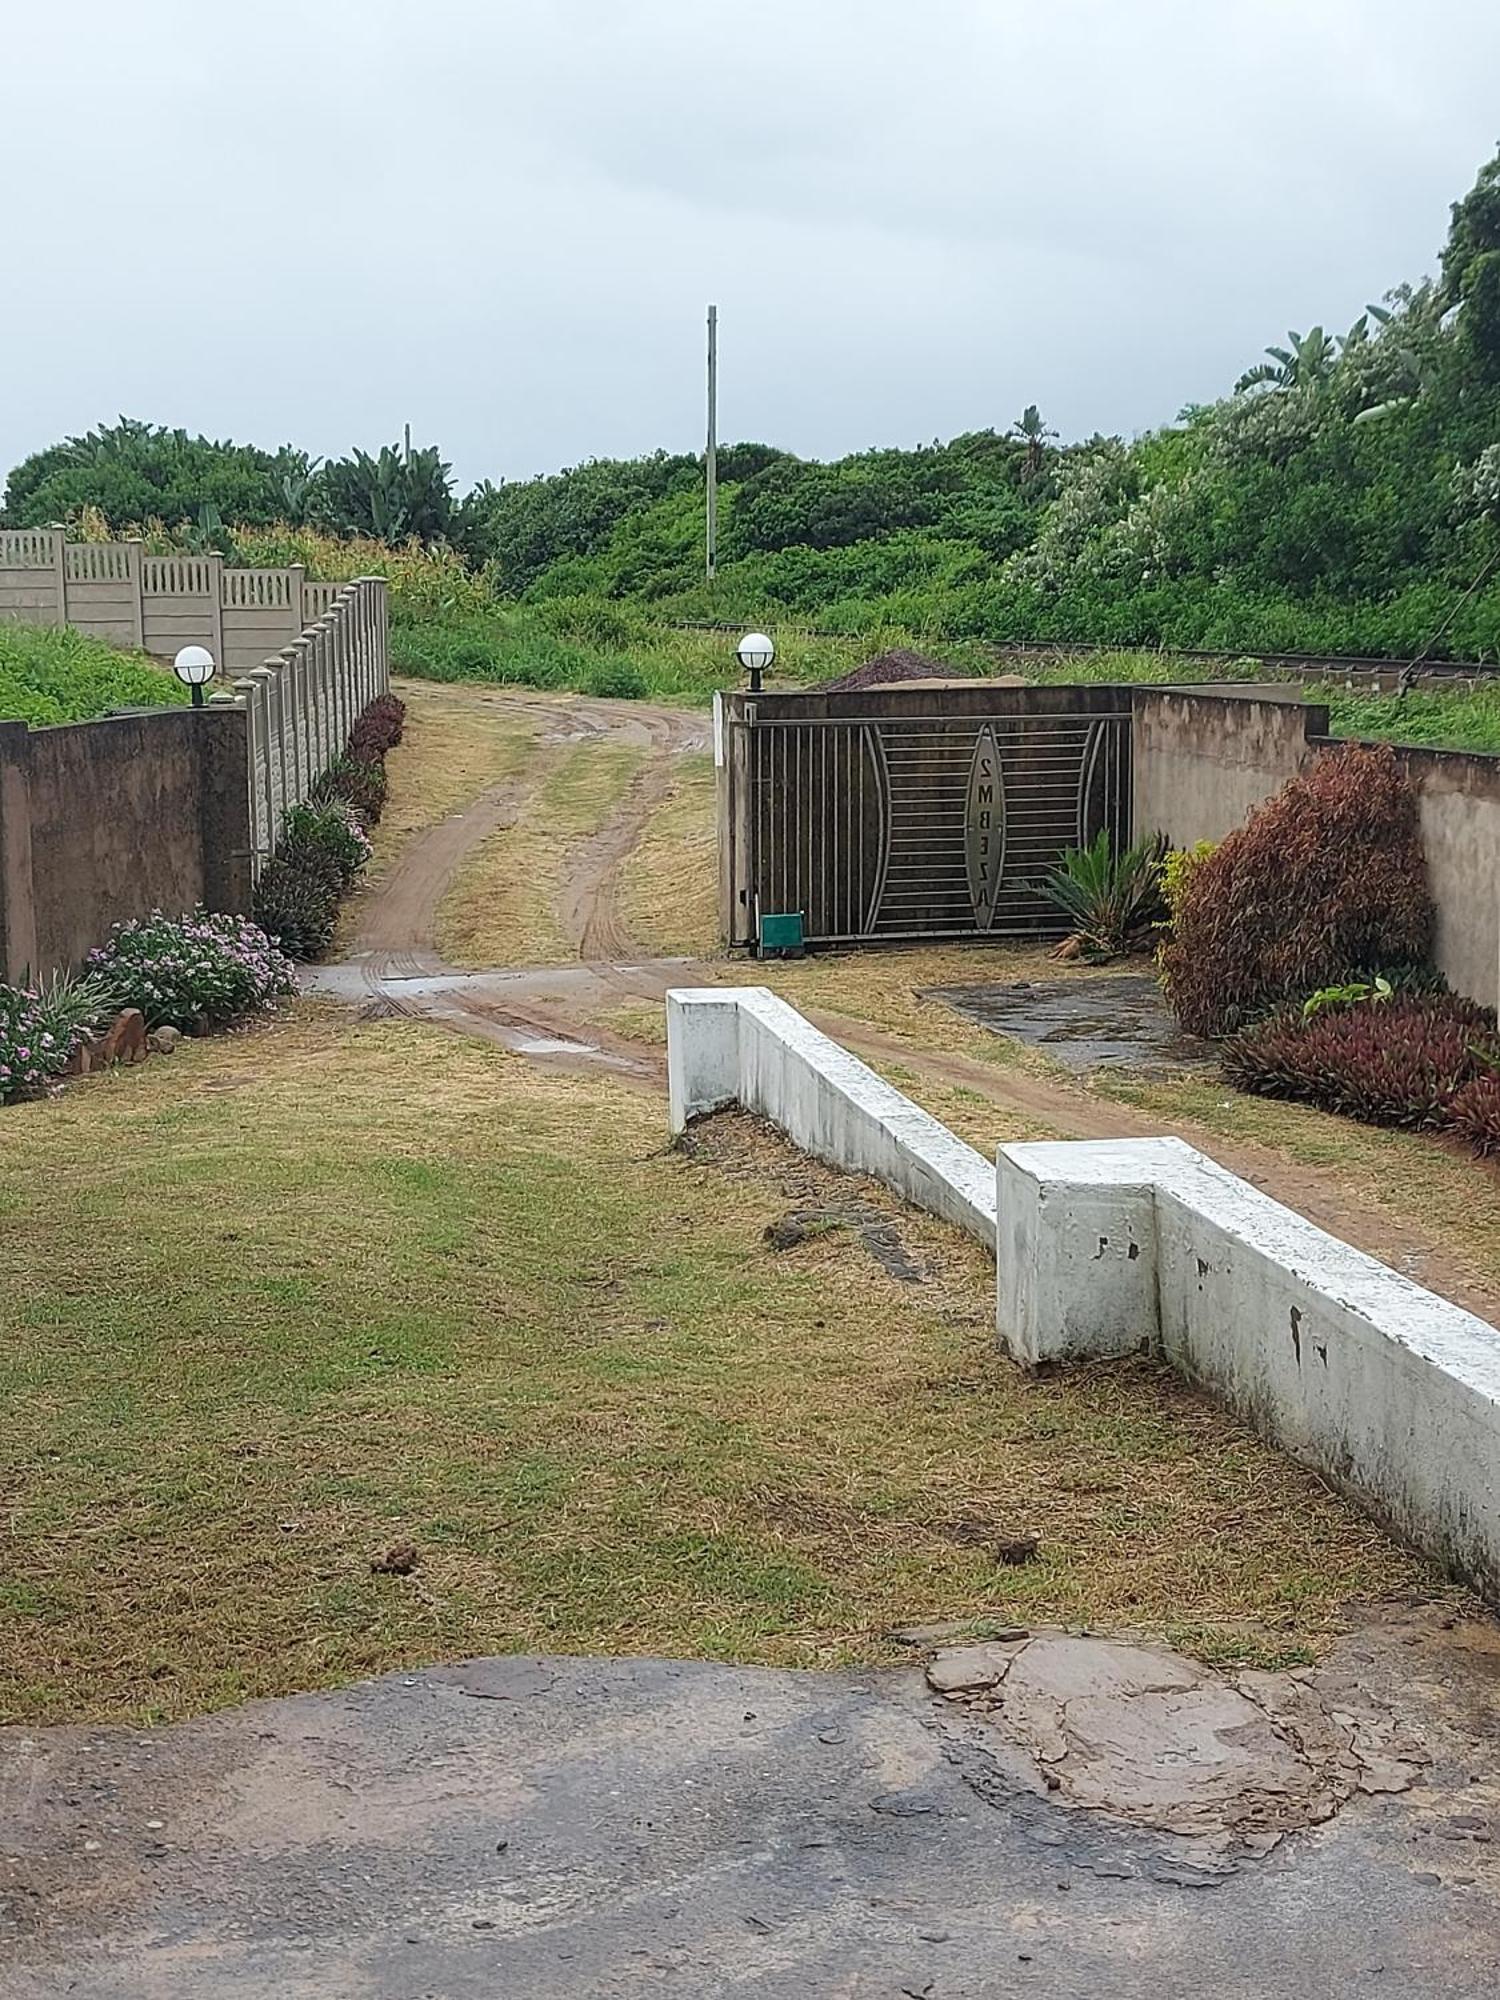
<point x="566" y="1827"/>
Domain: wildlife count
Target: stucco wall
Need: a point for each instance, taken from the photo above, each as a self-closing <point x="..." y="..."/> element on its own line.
<point x="101" y="821"/>
<point x="1110" y="1248"/>
<point x="1202" y="759"/>
<point x="1459" y="807"/>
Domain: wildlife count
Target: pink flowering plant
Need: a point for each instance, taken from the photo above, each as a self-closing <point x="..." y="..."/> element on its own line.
<point x="197" y="972"/>
<point x="30" y="1053"/>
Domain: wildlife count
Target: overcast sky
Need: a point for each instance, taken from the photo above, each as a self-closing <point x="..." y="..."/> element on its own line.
<point x="317" y="219"/>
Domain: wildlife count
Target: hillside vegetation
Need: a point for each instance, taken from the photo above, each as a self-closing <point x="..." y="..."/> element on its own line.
<point x="1343" y="496"/>
<point x="51" y="675"/>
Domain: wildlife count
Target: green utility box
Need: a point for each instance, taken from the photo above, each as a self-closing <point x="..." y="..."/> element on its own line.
<point x="780" y="933"/>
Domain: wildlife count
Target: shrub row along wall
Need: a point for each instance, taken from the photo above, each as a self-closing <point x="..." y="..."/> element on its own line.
<point x="301" y="703"/>
<point x="101" y="821"/>
<point x="1203" y="759"/>
<point x="1105" y="1249"/>
<point x="165" y="809"/>
<point x="115" y="591"/>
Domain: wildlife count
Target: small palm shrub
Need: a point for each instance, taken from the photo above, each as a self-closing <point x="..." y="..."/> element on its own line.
<point x="1326" y="875"/>
<point x="197" y="972"/>
<point x="1113" y="901"/>
<point x="1402" y="1060"/>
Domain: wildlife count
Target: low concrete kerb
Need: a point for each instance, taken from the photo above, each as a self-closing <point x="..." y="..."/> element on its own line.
<point x="1110" y="1248"/>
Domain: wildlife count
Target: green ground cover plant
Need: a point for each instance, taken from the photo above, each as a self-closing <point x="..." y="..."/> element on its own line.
<point x="52" y="674"/>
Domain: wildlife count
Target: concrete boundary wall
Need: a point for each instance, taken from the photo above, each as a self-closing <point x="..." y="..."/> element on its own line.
<point x="742" y="1045"/>
<point x="1203" y="758"/>
<point x="116" y="592"/>
<point x="1111" y="1248"/>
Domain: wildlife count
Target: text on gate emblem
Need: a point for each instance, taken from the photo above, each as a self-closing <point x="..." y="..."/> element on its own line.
<point x="984" y="828"/>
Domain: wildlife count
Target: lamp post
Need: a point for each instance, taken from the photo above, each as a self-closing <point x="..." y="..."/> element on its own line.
<point x="755" y="653"/>
<point x="194" y="667"/>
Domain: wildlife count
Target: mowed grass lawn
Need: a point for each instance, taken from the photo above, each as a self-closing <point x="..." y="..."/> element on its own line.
<point x="289" y="1298"/>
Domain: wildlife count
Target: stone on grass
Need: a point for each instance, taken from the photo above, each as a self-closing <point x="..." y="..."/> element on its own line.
<point x="162" y="1041"/>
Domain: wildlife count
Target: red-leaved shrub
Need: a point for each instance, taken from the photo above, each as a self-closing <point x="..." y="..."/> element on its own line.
<point x="1326" y="879"/>
<point x="1403" y="1061"/>
<point x="1475" y="1112"/>
<point x="377" y="728"/>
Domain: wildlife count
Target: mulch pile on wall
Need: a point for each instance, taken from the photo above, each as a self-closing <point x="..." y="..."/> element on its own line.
<point x="888" y="668"/>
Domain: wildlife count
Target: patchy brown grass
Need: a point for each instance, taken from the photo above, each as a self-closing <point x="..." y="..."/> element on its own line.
<point x="505" y="906"/>
<point x="295" y="1296"/>
<point x="670" y="891"/>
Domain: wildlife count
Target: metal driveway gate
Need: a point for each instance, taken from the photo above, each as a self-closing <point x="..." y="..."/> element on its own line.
<point x="914" y="812"/>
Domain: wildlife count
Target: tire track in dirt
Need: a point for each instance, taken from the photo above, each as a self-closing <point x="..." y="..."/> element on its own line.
<point x="395" y="946"/>
<point x="590" y="903"/>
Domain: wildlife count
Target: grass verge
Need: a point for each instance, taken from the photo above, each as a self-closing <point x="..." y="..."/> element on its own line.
<point x="299" y="1295"/>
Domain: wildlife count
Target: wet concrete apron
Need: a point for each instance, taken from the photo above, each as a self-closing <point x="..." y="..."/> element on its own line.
<point x="560" y="1827"/>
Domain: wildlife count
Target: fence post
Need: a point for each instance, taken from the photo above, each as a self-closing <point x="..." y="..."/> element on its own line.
<point x="295" y="700"/>
<point x="134" y="552"/>
<point x="264" y="679"/>
<point x="216" y="608"/>
<point x="252" y="700"/>
<point x="18" y="936"/>
<point x="296" y="580"/>
<point x="60" y="572"/>
<point x="344" y="654"/>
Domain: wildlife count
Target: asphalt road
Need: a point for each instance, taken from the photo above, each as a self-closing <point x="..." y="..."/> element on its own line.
<point x="552" y="1827"/>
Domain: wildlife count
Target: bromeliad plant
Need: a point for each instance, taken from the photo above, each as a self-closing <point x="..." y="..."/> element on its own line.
<point x="1406" y="1061"/>
<point x="1113" y="900"/>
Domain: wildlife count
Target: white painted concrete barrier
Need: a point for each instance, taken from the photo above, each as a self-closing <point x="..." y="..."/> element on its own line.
<point x="742" y="1045"/>
<point x="1390" y="1391"/>
<point x="1116" y="1247"/>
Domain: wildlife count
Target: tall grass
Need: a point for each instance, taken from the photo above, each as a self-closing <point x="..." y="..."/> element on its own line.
<point x="51" y="674"/>
<point x="598" y="648"/>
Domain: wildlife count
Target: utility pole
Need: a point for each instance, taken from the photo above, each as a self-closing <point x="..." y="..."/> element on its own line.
<point x="711" y="459"/>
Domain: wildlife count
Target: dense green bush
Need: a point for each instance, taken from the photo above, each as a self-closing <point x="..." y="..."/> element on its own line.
<point x="1325" y="878"/>
<point x="52" y="674"/>
<point x="326" y="834"/>
<point x="357" y="782"/>
<point x="297" y="903"/>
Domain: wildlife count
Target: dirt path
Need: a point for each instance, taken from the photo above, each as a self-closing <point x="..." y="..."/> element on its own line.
<point x="552" y="1014"/>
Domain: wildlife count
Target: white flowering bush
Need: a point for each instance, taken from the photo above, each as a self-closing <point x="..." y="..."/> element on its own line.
<point x="1476" y="486"/>
<point x="200" y="971"/>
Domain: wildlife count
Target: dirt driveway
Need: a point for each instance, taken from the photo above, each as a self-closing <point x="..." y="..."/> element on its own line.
<point x="569" y="1013"/>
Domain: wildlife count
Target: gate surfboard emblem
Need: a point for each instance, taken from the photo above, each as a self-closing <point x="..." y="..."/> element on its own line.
<point x="984" y="828"/>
